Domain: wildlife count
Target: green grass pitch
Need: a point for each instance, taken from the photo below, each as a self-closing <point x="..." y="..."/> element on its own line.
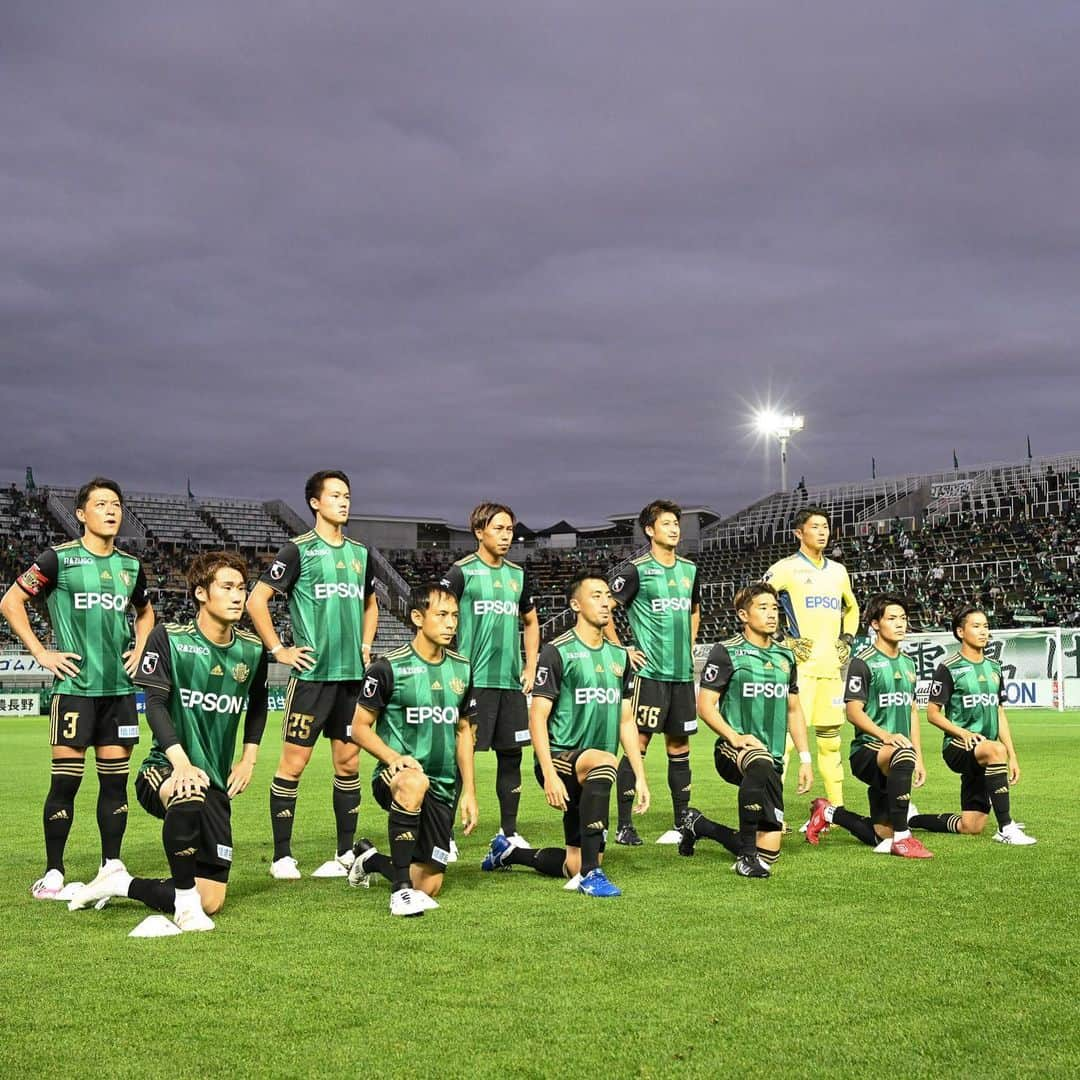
<point x="846" y="963"/>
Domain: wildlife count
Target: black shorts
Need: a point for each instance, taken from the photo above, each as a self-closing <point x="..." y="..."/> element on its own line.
<point x="436" y="823"/>
<point x="501" y="721"/>
<point x="864" y="767"/>
<point x="972" y="777"/>
<point x="668" y="707"/>
<point x="93" y="721"/>
<point x="314" y="708"/>
<point x="725" y="757"/>
<point x="565" y="762"/>
<point x="214" y="857"/>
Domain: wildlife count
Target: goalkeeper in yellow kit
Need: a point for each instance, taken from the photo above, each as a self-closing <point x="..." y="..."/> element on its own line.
<point x="822" y="618"/>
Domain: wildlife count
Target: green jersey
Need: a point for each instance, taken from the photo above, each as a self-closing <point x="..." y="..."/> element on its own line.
<point x="754" y="685"/>
<point x="492" y="600"/>
<point x="659" y="602"/>
<point x="88" y="597"/>
<point x="588" y="686"/>
<point x="886" y="687"/>
<point x="418" y="707"/>
<point x="969" y="694"/>
<point x="208" y="687"/>
<point x="327" y="586"/>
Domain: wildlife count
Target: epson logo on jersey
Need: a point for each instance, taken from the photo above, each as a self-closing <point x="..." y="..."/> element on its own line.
<point x="973" y="701"/>
<point x="598" y="695"/>
<point x="495" y="607"/>
<point x="895" y="697"/>
<point x="87" y="601"/>
<point x="832" y="603"/>
<point x="347" y="590"/>
<point x="670" y="603"/>
<point x="195" y="650"/>
<point x="765" y="690"/>
<point x="77" y="560"/>
<point x="214" y="703"/>
<point x="425" y="714"/>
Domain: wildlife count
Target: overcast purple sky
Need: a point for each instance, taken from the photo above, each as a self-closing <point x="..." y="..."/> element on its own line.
<point x="551" y="254"/>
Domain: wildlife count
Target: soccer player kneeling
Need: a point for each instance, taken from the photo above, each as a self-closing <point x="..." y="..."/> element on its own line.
<point x="414" y="715"/>
<point x="580" y="713"/>
<point x="886" y="753"/>
<point x="199" y="677"/>
<point x="749" y="696"/>
<point x="967" y="701"/>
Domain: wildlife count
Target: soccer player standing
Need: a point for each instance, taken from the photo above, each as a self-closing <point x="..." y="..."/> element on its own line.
<point x="494" y="595"/>
<point x="886" y="753"/>
<point x="749" y="696"/>
<point x="967" y="701"/>
<point x="414" y="716"/>
<point x="660" y="593"/>
<point x="580" y="714"/>
<point x="88" y="585"/>
<point x="328" y="578"/>
<point x="822" y="617"/>
<point x="199" y="676"/>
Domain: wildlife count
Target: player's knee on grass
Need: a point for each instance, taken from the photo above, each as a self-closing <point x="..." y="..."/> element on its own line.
<point x="212" y="895"/>
<point x="427" y="877"/>
<point x="972" y="822"/>
<point x="572" y="865"/>
<point x="408" y="788"/>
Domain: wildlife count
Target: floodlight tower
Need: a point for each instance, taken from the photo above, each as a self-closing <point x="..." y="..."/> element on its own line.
<point x="780" y="426"/>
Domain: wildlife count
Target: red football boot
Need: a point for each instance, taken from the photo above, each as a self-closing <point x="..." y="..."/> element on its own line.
<point x="910" y="848"/>
<point x="818" y="823"/>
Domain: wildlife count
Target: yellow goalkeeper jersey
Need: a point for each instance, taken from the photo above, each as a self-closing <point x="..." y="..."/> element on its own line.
<point x="818" y="604"/>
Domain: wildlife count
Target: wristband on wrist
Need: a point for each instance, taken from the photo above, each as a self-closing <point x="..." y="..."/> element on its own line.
<point x="277" y="648"/>
<point x="804" y="757"/>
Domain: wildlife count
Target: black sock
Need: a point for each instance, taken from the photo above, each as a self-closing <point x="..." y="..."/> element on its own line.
<point x="594" y="807"/>
<point x="346" y="810"/>
<point x="722" y="834"/>
<point x="380" y="864"/>
<point x="154" y="893"/>
<point x="898" y="787"/>
<point x="67" y="774"/>
<point x="548" y="861"/>
<point x="997" y="791"/>
<point x="678" y="781"/>
<point x="181" y="834"/>
<point x="767" y="857"/>
<point x="752" y="791"/>
<point x="508" y="788"/>
<point x="862" y="828"/>
<point x="112" y="807"/>
<point x="404" y="829"/>
<point x="282" y="813"/>
<point x="625" y="789"/>
<point x="936" y="822"/>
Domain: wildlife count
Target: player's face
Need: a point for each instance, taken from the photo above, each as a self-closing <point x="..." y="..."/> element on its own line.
<point x="332" y="505"/>
<point x="762" y="616"/>
<point x="975" y="632"/>
<point x="102" y="514"/>
<point x="892" y="626"/>
<point x="593" y="602"/>
<point x="497" y="537"/>
<point x="226" y="595"/>
<point x="814" y="533"/>
<point x="666" y="530"/>
<point x="439" y="623"/>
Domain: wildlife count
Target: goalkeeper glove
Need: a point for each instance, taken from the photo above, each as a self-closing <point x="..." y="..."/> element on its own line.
<point x="843" y="648"/>
<point x="800" y="646"/>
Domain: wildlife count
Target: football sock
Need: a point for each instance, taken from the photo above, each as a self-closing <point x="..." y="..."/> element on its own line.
<point x="404" y="829"/>
<point x="997" y="791"/>
<point x="548" y="861"/>
<point x="112" y="807"/>
<point x="67" y="774"/>
<point x="346" y="810"/>
<point x="949" y="823"/>
<point x="768" y="857"/>
<point x="678" y="779"/>
<point x="181" y="834"/>
<point x="282" y="814"/>
<point x="154" y="893"/>
<point x="722" y="834"/>
<point x="757" y="765"/>
<point x="862" y="828"/>
<point x="898" y="787"/>
<point x="593" y="809"/>
<point x="830" y="766"/>
<point x="626" y="786"/>
<point x="508" y="788"/>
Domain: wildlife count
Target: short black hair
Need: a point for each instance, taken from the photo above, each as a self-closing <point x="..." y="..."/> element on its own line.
<point x="483" y="515"/>
<point x="749" y="593"/>
<point x="203" y="569"/>
<point x="876" y="605"/>
<point x="806" y="513"/>
<point x="587" y="574"/>
<point x="83" y="496"/>
<point x="960" y="616"/>
<point x="313" y="487"/>
<point x="421" y="596"/>
<point x="650" y="513"/>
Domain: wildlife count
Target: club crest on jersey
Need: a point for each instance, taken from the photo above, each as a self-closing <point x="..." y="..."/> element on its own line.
<point x="615" y="669"/>
<point x="854" y="684"/>
<point x="277" y="570"/>
<point x="240" y="672"/>
<point x="541" y="676"/>
<point x="686" y="583"/>
<point x="457" y="685"/>
<point x="515" y="586"/>
<point x="125" y="577"/>
<point x="357" y="567"/>
<point x="149" y="663"/>
<point x="371" y="685"/>
<point x="710" y="672"/>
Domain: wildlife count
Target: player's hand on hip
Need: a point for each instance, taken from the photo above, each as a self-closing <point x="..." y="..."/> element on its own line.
<point x="806" y="778"/>
<point x="188" y="780"/>
<point x="470" y="812"/>
<point x="240" y="777"/>
<point x="642" y="797"/>
<point x="299" y="657"/>
<point x="637" y="658"/>
<point x="555" y="793"/>
<point x="61" y="664"/>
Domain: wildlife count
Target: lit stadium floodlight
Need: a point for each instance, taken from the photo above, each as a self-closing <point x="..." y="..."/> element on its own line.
<point x="780" y="426"/>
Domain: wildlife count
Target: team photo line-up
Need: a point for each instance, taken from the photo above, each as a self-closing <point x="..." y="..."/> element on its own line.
<point x="423" y="710"/>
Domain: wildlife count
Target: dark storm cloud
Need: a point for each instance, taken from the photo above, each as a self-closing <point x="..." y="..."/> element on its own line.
<point x="552" y="255"/>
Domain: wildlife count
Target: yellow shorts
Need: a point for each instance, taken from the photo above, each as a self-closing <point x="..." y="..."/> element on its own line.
<point x="822" y="701"/>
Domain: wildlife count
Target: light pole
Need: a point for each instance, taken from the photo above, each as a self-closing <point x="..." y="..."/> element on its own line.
<point x="781" y="426"/>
